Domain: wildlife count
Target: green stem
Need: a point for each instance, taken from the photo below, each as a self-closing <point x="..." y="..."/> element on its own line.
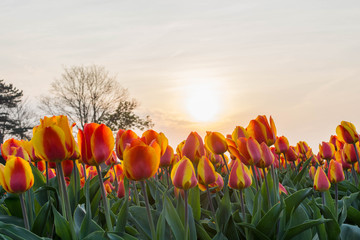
<point x="186" y="214"/>
<point x="23" y="208"/>
<point x="336" y="201"/>
<point x="323" y="198"/>
<point x="353" y="171"/>
<point x="136" y="194"/>
<point x="87" y="192"/>
<point x="227" y="167"/>
<point x="76" y="182"/>
<point x="356" y="153"/>
<point x="267" y="188"/>
<point x="259" y="176"/>
<point x="151" y="222"/>
<point x="116" y="179"/>
<point x="66" y="199"/>
<point x="47" y="172"/>
<point x="167" y="177"/>
<point x="255" y="178"/>
<point x="105" y="203"/>
<point x="30" y="204"/>
<point x="210" y="201"/>
<point x="63" y="210"/>
<point x="242" y="205"/>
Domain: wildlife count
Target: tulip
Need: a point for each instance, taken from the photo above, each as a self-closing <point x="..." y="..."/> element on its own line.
<point x="8" y="147"/>
<point x="167" y="159"/>
<point x="179" y="148"/>
<point x="326" y="150"/>
<point x="321" y="182"/>
<point x="281" y="145"/>
<point x="240" y="176"/>
<point x="121" y="189"/>
<point x="67" y="166"/>
<point x="206" y="172"/>
<point x="238" y="133"/>
<point x="112" y="160"/>
<point x="140" y="162"/>
<point x="183" y="174"/>
<point x="215" y="186"/>
<point x="282" y="189"/>
<point x="16" y="176"/>
<point x="335" y="172"/>
<point x="302" y="148"/>
<point x="349" y="153"/>
<point x="249" y="151"/>
<point x="216" y="142"/>
<point x="267" y="157"/>
<point x="336" y="142"/>
<point x="346" y="132"/>
<point x="262" y="131"/>
<point x="151" y="135"/>
<point x="291" y="154"/>
<point x="96" y="143"/>
<point x="122" y="139"/>
<point x="193" y="148"/>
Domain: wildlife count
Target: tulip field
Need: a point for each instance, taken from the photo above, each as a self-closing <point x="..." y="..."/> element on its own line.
<point x="248" y="184"/>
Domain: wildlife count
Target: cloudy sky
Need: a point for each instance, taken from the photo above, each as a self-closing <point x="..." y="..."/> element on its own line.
<point x="199" y="65"/>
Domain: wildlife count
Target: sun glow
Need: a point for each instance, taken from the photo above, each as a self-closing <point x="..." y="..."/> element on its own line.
<point x="202" y="102"/>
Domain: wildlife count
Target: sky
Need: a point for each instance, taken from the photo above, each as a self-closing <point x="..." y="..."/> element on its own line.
<point x="199" y="65"/>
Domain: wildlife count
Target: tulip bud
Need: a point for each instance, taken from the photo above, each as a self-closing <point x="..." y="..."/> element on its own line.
<point x="8" y="147"/>
<point x="291" y="155"/>
<point x="346" y="132"/>
<point x="321" y="182"/>
<point x="140" y="162"/>
<point x="183" y="174"/>
<point x="238" y="133"/>
<point x="166" y="160"/>
<point x="193" y="148"/>
<point x="281" y="145"/>
<point x="267" y="157"/>
<point x="215" y="186"/>
<point x="249" y="150"/>
<point x="216" y="142"/>
<point x="335" y="172"/>
<point x="282" y="189"/>
<point x="262" y="131"/>
<point x="206" y="172"/>
<point x="16" y="176"/>
<point x="96" y="143"/>
<point x="326" y="150"/>
<point x="312" y="171"/>
<point x="349" y="153"/>
<point x="240" y="176"/>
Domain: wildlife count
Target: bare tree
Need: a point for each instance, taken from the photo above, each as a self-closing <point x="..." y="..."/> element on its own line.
<point x="86" y="94"/>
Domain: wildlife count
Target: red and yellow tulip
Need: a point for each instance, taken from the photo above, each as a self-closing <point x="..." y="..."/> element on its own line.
<point x="16" y="176"/>
<point x="240" y="176"/>
<point x="261" y="130"/>
<point x="281" y="145"/>
<point x="267" y="157"/>
<point x="206" y="172"/>
<point x="346" y="132"/>
<point x="335" y="172"/>
<point x="183" y="174"/>
<point x="249" y="151"/>
<point x="53" y="140"/>
<point x="193" y="148"/>
<point x="215" y="142"/>
<point x="321" y="182"/>
<point x="326" y="150"/>
<point x="96" y="143"/>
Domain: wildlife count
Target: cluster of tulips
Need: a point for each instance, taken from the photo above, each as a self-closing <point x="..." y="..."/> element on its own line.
<point x="217" y="165"/>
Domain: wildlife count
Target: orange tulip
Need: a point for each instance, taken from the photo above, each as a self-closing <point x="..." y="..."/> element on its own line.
<point x="216" y="142"/>
<point x="29" y="147"/>
<point x="346" y="132"/>
<point x="183" y="174"/>
<point x="267" y="157"/>
<point x="206" y="172"/>
<point x="215" y="186"/>
<point x="321" y="182"/>
<point x="167" y="159"/>
<point x="335" y="172"/>
<point x="9" y="146"/>
<point x="112" y="160"/>
<point x="53" y="140"/>
<point x="281" y="145"/>
<point x="238" y="133"/>
<point x="240" y="176"/>
<point x="249" y="151"/>
<point x="16" y="176"/>
<point x="262" y="131"/>
<point x="151" y="135"/>
<point x="122" y="139"/>
<point x="140" y="161"/>
<point x="96" y="143"/>
<point x="326" y="150"/>
<point x="193" y="148"/>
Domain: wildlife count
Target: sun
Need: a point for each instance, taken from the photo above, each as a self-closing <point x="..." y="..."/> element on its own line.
<point x="202" y="102"/>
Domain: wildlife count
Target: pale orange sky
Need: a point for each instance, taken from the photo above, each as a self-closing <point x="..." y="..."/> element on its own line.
<point x="298" y="61"/>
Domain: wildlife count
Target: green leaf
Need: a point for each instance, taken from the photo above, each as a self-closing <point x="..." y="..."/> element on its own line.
<point x="201" y="232"/>
<point x="161" y="227"/>
<point x="329" y="202"/>
<point x="137" y="215"/>
<point x="173" y="219"/>
<point x="255" y="231"/>
<point x="304" y="170"/>
<point x="74" y="189"/>
<point x="332" y="227"/>
<point x="350" y="232"/>
<point x="271" y="216"/>
<point x="223" y="212"/>
<point x="88" y="226"/>
<point x="321" y="230"/>
<point x="304" y="226"/>
<point x="220" y="236"/>
<point x="294" y="200"/>
<point x="42" y="219"/>
<point x="194" y="202"/>
<point x="12" y="220"/>
<point x="62" y="228"/>
<point x="79" y="216"/>
<point x="12" y="202"/>
<point x="39" y="178"/>
<point x="346" y="201"/>
<point x="15" y="232"/>
<point x="122" y="218"/>
<point x="249" y="199"/>
<point x="354" y="215"/>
